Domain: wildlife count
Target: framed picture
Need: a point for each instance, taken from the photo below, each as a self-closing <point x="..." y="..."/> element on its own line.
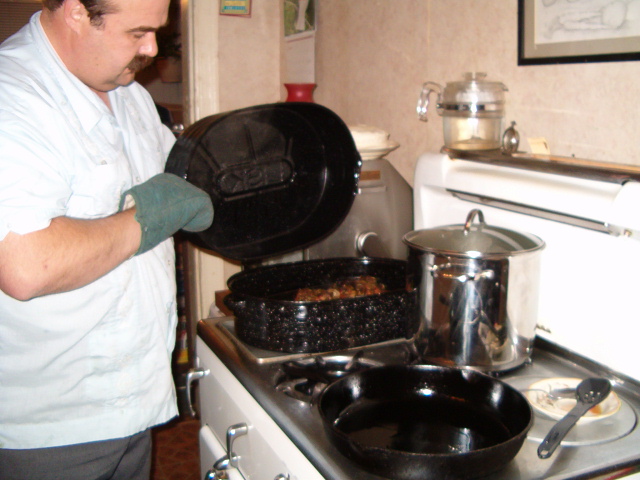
<point x="578" y="31"/>
<point x="241" y="8"/>
<point x="299" y="17"/>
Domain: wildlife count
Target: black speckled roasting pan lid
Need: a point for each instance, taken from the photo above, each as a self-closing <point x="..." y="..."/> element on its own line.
<point x="281" y="177"/>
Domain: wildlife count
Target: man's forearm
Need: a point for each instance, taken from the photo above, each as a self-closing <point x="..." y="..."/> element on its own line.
<point x="68" y="254"/>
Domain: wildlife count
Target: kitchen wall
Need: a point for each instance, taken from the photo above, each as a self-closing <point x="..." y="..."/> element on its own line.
<point x="231" y="63"/>
<point x="372" y="57"/>
<point x="250" y="56"/>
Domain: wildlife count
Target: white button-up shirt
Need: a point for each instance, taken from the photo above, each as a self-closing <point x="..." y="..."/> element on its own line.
<point x="92" y="363"/>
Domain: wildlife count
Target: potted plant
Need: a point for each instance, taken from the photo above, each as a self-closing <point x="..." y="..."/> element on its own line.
<point x="169" y="58"/>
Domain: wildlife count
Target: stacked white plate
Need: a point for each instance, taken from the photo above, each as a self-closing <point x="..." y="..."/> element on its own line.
<point x="372" y="142"/>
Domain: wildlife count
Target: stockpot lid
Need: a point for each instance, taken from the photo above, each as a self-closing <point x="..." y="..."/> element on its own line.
<point x="473" y="240"/>
<point x="281" y="177"/>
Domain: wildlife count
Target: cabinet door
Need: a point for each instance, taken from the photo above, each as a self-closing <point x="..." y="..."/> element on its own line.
<point x="265" y="452"/>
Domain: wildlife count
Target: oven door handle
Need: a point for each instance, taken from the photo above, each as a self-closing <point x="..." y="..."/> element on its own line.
<point x="191" y="376"/>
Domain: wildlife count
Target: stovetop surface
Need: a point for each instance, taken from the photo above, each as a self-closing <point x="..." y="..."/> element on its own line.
<point x="596" y="449"/>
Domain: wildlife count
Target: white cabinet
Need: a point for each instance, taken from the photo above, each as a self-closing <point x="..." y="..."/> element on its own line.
<point x="265" y="452"/>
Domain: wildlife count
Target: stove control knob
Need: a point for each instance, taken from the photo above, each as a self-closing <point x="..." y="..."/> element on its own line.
<point x="230" y="460"/>
<point x="219" y="470"/>
<point x="282" y="476"/>
<point x="213" y="475"/>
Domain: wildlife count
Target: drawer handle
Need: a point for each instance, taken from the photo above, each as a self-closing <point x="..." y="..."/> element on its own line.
<point x="193" y="374"/>
<point x="230" y="460"/>
<point x="233" y="432"/>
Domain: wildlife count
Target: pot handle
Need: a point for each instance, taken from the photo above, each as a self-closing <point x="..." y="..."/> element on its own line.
<point x="441" y="271"/>
<point x="476" y="212"/>
<point x="368" y="244"/>
<point x="234" y="303"/>
<point x="423" y="100"/>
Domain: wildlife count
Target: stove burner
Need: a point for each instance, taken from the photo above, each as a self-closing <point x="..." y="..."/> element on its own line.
<point x="304" y="379"/>
<point x="301" y="389"/>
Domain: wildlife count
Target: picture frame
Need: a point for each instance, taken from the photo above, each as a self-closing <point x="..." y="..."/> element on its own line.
<point x="299" y="18"/>
<point x="238" y="8"/>
<point x="576" y="31"/>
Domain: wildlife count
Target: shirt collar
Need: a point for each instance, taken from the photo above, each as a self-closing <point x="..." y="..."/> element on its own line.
<point x="86" y="105"/>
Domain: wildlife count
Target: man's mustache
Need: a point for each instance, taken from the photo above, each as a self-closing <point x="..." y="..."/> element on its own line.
<point x="139" y="62"/>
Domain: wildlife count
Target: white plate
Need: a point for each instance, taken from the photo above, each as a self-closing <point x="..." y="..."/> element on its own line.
<point x="378" y="152"/>
<point x="556" y="407"/>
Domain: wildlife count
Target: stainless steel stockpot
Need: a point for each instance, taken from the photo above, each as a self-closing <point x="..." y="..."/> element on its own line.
<point x="477" y="291"/>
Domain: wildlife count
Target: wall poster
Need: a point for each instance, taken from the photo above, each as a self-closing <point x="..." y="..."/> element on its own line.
<point x="299" y="17"/>
<point x="299" y="35"/>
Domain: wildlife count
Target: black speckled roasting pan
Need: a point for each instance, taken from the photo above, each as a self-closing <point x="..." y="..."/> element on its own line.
<point x="267" y="317"/>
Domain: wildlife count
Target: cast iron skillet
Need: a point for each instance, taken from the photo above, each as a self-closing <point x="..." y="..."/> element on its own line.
<point x="410" y="422"/>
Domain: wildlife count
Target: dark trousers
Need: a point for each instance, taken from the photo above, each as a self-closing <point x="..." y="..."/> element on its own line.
<point x="121" y="459"/>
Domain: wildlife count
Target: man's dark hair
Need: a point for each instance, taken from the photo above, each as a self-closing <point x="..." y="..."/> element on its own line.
<point x="96" y="8"/>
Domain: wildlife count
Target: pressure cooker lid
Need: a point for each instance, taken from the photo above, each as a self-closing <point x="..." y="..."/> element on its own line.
<point x="473" y="240"/>
<point x="280" y="176"/>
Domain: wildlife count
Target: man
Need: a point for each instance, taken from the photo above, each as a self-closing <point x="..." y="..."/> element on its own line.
<point x="87" y="287"/>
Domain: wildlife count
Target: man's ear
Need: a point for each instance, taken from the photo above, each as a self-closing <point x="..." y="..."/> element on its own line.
<point x="75" y="14"/>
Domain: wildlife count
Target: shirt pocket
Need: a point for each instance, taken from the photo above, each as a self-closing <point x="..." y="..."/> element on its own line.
<point x="148" y="153"/>
<point x="96" y="193"/>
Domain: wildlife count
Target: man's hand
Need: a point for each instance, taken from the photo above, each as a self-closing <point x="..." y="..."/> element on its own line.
<point x="165" y="204"/>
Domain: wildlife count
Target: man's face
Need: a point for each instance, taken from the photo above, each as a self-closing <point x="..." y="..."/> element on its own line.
<point x="111" y="53"/>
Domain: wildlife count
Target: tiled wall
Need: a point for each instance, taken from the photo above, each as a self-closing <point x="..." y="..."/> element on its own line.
<point x="374" y="55"/>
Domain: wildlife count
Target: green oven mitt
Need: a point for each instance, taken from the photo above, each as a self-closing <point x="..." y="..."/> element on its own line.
<point x="165" y="204"/>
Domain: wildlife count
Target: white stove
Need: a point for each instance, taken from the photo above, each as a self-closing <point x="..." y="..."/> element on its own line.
<point x="589" y="216"/>
<point x="585" y="212"/>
